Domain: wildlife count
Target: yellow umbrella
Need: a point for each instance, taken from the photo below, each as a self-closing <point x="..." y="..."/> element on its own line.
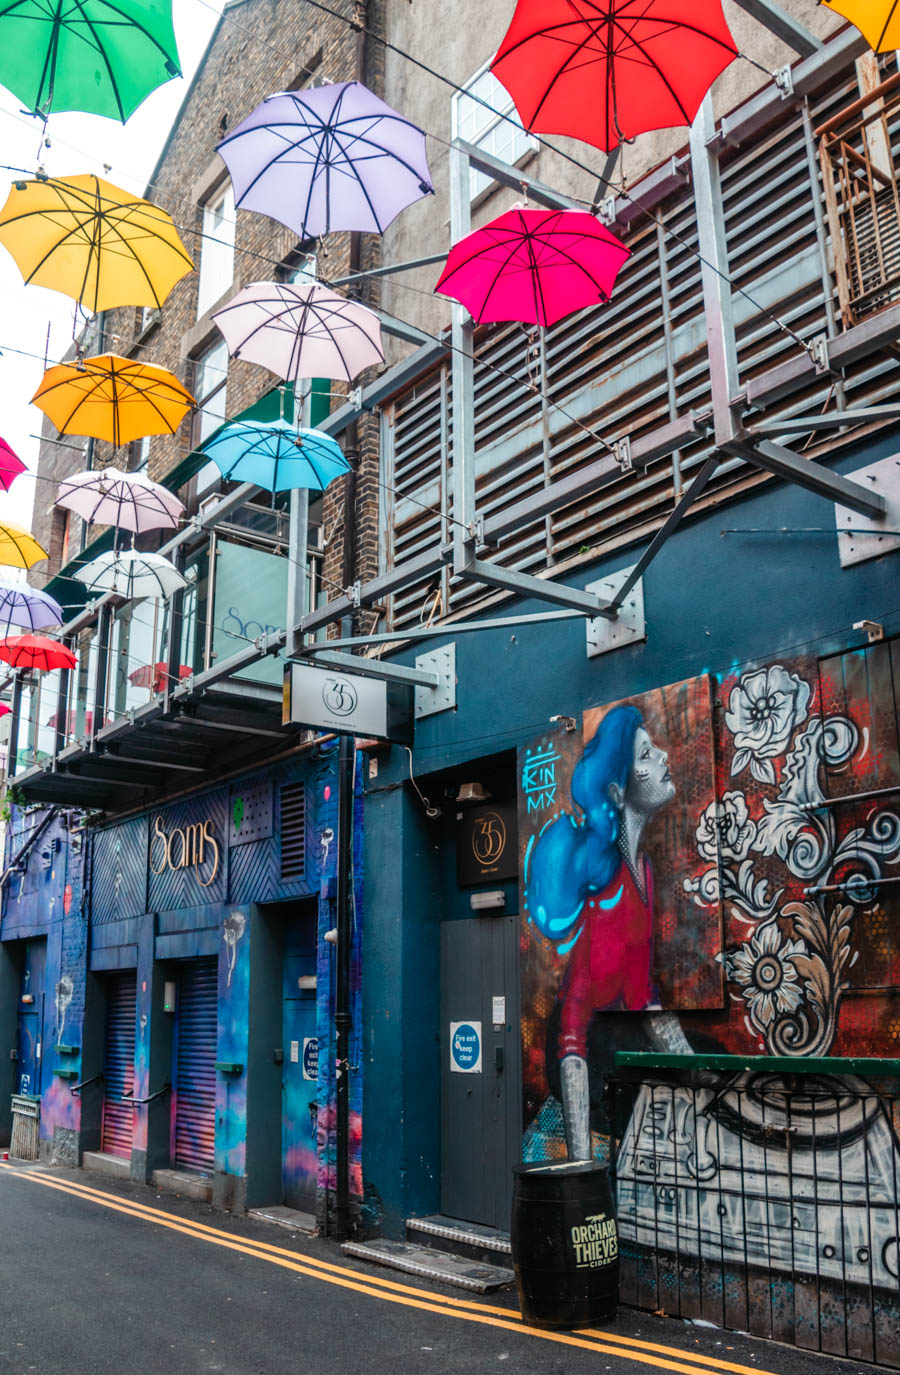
<point x="19" y="548"/>
<point x="87" y="238"/>
<point x="112" y="398"/>
<point x="877" y="20"/>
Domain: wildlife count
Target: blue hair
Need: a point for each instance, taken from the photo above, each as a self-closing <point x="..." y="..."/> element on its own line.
<point x="576" y="857"/>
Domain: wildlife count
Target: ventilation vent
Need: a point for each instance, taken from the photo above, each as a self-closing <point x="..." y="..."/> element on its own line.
<point x="293" y="830"/>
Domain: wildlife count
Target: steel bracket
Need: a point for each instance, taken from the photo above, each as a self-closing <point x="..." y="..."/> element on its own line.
<point x="860" y="538"/>
<point x="784" y="81"/>
<point x="628" y="628"/>
<point x="606" y="210"/>
<point x="819" y="354"/>
<point x="355" y="398"/>
<point x="476" y="531"/>
<point x="354" y="595"/>
<point x="429" y="700"/>
<point x="622" y="451"/>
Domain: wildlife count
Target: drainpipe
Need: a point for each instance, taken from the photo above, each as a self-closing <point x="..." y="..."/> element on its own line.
<point x="348" y="572"/>
<point x="343" y="1018"/>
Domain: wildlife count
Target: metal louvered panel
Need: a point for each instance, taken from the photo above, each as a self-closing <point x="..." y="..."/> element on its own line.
<point x="293" y="830"/>
<point x="118" y="1111"/>
<point x="195" y="1072"/>
<point x="629" y="367"/>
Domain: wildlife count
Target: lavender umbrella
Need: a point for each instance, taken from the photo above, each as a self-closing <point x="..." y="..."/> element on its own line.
<point x="330" y="158"/>
<point x="302" y="330"/>
<point x="27" y="607"/>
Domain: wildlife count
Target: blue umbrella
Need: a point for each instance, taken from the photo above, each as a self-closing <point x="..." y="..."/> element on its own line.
<point x="27" y="607"/>
<point x="276" y="456"/>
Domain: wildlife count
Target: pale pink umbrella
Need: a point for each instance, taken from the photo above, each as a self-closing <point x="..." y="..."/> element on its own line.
<point x="107" y="496"/>
<point x="301" y="329"/>
<point x="10" y="466"/>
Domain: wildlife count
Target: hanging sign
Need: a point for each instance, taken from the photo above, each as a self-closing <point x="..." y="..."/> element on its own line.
<point x="347" y="703"/>
<point x="465" y="1048"/>
<point x="487" y="844"/>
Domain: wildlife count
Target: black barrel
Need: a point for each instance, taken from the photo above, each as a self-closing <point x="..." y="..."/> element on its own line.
<point x="565" y="1247"/>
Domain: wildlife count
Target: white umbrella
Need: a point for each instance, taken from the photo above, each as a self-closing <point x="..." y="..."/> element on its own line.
<point x="301" y="329"/>
<point x="132" y="574"/>
<point x="107" y="496"/>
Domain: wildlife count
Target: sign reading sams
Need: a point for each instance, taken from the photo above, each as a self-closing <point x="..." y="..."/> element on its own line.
<point x="465" y="1048"/>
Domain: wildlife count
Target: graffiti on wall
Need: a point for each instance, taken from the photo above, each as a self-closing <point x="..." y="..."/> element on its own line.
<point x="797" y="853"/>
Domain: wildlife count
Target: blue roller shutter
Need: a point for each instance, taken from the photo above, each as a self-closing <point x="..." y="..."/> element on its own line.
<point x="118" y="1112"/>
<point x="195" y="1067"/>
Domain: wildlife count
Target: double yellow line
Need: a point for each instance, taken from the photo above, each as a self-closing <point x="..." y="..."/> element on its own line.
<point x="390" y="1291"/>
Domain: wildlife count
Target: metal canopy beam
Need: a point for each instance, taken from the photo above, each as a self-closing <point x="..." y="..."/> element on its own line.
<point x="372" y="668"/>
<point x="865" y="415"/>
<point x="542" y="589"/>
<point x="774" y="458"/>
<point x="513" y="177"/>
<point x="783" y="25"/>
<point x="390" y="269"/>
<point x="409" y="571"/>
<point x="673" y="520"/>
<point x="401" y="330"/>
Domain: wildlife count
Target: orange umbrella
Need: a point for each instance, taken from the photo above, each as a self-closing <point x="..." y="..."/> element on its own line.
<point x="113" y="398"/>
<point x="877" y="20"/>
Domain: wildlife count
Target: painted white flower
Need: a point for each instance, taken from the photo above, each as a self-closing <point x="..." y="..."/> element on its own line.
<point x="763" y="712"/>
<point x="232" y="930"/>
<point x="726" y="829"/>
<point x="765" y="970"/>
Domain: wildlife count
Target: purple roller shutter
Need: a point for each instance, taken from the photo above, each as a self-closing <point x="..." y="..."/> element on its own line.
<point x="195" y="1069"/>
<point x="118" y="1112"/>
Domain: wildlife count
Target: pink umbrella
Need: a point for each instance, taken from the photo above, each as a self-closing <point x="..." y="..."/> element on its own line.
<point x="10" y="466"/>
<point x="154" y="675"/>
<point x="533" y="266"/>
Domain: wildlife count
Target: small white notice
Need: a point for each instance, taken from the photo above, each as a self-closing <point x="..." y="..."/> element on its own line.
<point x="295" y="1052"/>
<point x="499" y="1011"/>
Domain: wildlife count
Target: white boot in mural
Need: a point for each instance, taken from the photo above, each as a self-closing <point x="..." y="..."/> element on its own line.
<point x="576" y="1097"/>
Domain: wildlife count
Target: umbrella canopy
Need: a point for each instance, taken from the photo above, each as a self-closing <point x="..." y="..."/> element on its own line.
<point x="107" y="496"/>
<point x="328" y="158"/>
<point x="71" y="720"/>
<point x="534" y="266"/>
<point x="21" y="605"/>
<point x="36" y="651"/>
<point x="19" y="548"/>
<point x="10" y="466"/>
<point x="276" y="456"/>
<point x="132" y="574"/>
<point x="877" y="20"/>
<point x="99" y="56"/>
<point x="112" y="398"/>
<point x="604" y="70"/>
<point x="87" y="238"/>
<point x="154" y="676"/>
<point x="302" y="330"/>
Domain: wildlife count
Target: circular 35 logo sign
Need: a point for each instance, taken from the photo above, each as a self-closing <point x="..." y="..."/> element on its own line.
<point x="340" y="697"/>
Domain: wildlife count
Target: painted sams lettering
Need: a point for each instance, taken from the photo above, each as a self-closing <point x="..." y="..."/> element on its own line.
<point x="187" y="847"/>
<point x="596" y="1242"/>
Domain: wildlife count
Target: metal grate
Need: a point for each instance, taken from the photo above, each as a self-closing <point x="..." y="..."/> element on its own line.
<point x="195" y="1065"/>
<point x="293" y="830"/>
<point x="118" y="1070"/>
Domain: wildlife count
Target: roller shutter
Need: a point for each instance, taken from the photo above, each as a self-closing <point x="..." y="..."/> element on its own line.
<point x="195" y="1066"/>
<point x="118" y="1111"/>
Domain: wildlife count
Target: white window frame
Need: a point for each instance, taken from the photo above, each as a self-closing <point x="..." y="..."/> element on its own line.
<point x="217" y="251"/>
<point x="524" y="144"/>
<point x="205" y="422"/>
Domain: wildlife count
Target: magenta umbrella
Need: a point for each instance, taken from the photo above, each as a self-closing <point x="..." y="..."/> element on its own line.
<point x="533" y="266"/>
<point x="10" y="466"/>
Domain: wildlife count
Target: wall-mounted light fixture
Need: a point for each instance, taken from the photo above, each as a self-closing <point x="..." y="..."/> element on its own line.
<point x="567" y="722"/>
<point x="169" y="996"/>
<point x="873" y="629"/>
<point x="482" y="902"/>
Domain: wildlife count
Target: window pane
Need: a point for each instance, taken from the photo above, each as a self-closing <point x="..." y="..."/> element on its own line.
<point x="487" y="129"/>
<point x="217" y="252"/>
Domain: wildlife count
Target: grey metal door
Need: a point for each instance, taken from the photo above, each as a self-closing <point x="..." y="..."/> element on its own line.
<point x="481" y="1119"/>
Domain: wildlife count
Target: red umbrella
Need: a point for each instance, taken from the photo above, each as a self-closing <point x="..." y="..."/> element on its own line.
<point x="36" y="651"/>
<point x="604" y="70"/>
<point x="534" y="266"/>
<point x="10" y="466"/>
<point x="154" y="675"/>
<point x="72" y="722"/>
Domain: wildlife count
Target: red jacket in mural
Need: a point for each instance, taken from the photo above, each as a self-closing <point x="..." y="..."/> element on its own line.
<point x="610" y="964"/>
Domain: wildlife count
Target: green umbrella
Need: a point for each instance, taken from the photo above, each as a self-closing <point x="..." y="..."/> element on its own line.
<point x="98" y="56"/>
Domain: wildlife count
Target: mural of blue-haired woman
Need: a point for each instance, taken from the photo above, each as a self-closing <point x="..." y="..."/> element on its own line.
<point x="591" y="889"/>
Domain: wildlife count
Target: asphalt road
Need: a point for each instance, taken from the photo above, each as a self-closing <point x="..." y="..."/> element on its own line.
<point x="123" y="1279"/>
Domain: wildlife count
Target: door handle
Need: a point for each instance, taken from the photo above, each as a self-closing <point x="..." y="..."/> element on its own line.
<point x="498" y="1059"/>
